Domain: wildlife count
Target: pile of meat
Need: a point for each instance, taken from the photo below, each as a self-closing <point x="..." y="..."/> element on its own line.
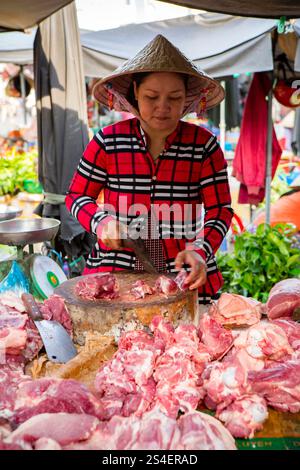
<point x="146" y="396"/>
<point x="104" y="286"/>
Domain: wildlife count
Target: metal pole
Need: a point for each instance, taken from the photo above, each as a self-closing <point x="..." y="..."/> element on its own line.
<point x="268" y="180"/>
<point x="23" y="94"/>
<point x="222" y="121"/>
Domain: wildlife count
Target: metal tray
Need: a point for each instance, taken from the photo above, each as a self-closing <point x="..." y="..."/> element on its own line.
<point x="28" y="231"/>
<point x="9" y="214"/>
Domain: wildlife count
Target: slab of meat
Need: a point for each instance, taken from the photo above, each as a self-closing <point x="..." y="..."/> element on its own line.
<point x="279" y="384"/>
<point x="264" y="340"/>
<point x="63" y="428"/>
<point x="166" y="286"/>
<point x="224" y="383"/>
<point x="54" y="308"/>
<point x="244" y="416"/>
<point x="100" y="286"/>
<point x="10" y="299"/>
<point x="236" y="310"/>
<point x="34" y="343"/>
<point x="156" y="431"/>
<point x="140" y="289"/>
<point x="199" y="431"/>
<point x="284" y="298"/>
<point x="292" y="330"/>
<point x="49" y="395"/>
<point x="12" y="341"/>
<point x="216" y="339"/>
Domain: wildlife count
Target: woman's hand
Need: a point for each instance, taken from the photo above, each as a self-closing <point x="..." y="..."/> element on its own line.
<point x="197" y="276"/>
<point x="110" y="234"/>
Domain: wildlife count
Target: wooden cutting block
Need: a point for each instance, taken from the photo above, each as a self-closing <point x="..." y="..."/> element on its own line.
<point x="109" y="316"/>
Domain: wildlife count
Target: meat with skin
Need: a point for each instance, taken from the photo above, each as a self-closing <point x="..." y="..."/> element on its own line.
<point x="284" y="298"/>
<point x="100" y="286"/>
<point x="279" y="384"/>
<point x="166" y="286"/>
<point x="50" y="395"/>
<point x="63" y="428"/>
<point x="54" y="308"/>
<point x="44" y="443"/>
<point x="217" y="340"/>
<point x="236" y="310"/>
<point x="199" y="431"/>
<point x="244" y="416"/>
<point x="140" y="289"/>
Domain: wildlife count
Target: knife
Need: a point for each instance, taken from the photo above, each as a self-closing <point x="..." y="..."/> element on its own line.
<point x="138" y="246"/>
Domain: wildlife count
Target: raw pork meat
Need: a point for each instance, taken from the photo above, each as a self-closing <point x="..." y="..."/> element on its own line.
<point x="12" y="341"/>
<point x="10" y="299"/>
<point x="63" y="428"/>
<point x="279" y="384"/>
<point x="180" y="280"/>
<point x="166" y="286"/>
<point x="199" y="431"/>
<point x="284" y="298"/>
<point x="216" y="339"/>
<point x="244" y="416"/>
<point x="292" y="330"/>
<point x="50" y="395"/>
<point x="99" y="286"/>
<point x="264" y="340"/>
<point x="54" y="308"/>
<point x="236" y="310"/>
<point x="140" y="288"/>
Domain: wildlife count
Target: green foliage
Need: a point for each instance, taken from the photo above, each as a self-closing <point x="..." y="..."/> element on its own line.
<point x="15" y="169"/>
<point x="260" y="260"/>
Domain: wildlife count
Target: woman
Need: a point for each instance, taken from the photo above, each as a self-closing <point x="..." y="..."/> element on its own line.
<point x="156" y="171"/>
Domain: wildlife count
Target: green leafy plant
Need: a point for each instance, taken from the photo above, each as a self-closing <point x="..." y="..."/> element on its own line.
<point x="15" y="169"/>
<point x="259" y="260"/>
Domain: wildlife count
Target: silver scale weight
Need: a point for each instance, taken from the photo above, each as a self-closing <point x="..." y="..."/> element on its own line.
<point x="29" y="272"/>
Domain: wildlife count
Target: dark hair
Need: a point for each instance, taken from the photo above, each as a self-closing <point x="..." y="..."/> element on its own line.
<point x="138" y="78"/>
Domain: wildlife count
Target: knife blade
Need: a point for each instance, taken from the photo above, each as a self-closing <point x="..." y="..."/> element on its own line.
<point x="138" y="246"/>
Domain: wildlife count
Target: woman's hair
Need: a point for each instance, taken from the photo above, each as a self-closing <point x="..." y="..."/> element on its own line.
<point x="138" y="78"/>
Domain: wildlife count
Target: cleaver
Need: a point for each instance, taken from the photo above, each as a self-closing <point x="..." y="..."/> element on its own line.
<point x="138" y="246"/>
<point x="58" y="343"/>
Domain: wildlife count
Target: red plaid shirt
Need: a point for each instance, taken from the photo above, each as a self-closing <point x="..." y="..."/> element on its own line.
<point x="190" y="173"/>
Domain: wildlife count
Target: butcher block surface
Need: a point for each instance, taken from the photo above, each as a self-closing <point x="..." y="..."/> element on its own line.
<point x="104" y="316"/>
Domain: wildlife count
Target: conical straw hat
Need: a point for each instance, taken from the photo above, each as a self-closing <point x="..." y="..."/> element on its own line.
<point x="159" y="55"/>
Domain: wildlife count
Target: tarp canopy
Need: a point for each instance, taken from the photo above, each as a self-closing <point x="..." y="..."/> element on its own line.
<point x="220" y="44"/>
<point x="255" y="8"/>
<point x="61" y="112"/>
<point x="17" y="47"/>
<point x="18" y="15"/>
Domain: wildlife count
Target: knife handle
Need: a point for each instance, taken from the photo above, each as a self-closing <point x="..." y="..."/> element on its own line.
<point x="32" y="307"/>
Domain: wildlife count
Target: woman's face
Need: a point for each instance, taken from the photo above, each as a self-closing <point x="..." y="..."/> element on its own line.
<point x="161" y="99"/>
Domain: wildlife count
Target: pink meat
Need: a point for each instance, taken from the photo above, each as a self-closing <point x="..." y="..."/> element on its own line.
<point x="63" y="428"/>
<point x="217" y="340"/>
<point x="244" y="416"/>
<point x="100" y="286"/>
<point x="180" y="280"/>
<point x="9" y="383"/>
<point x="54" y="308"/>
<point x="10" y="299"/>
<point x="49" y="395"/>
<point x="12" y="341"/>
<point x="12" y="320"/>
<point x="279" y="384"/>
<point x="283" y="299"/>
<point x="44" y="443"/>
<point x="140" y="289"/>
<point x="199" y="431"/>
<point x="162" y="329"/>
<point x="234" y="309"/>
<point x="34" y="343"/>
<point x="166" y="286"/>
<point x="292" y="330"/>
<point x="264" y="340"/>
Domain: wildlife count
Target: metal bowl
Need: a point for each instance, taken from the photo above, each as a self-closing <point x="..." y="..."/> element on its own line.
<point x="9" y="213"/>
<point x="28" y="231"/>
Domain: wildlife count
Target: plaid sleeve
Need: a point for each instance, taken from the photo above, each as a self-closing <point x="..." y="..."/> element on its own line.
<point x="89" y="179"/>
<point x="215" y="195"/>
